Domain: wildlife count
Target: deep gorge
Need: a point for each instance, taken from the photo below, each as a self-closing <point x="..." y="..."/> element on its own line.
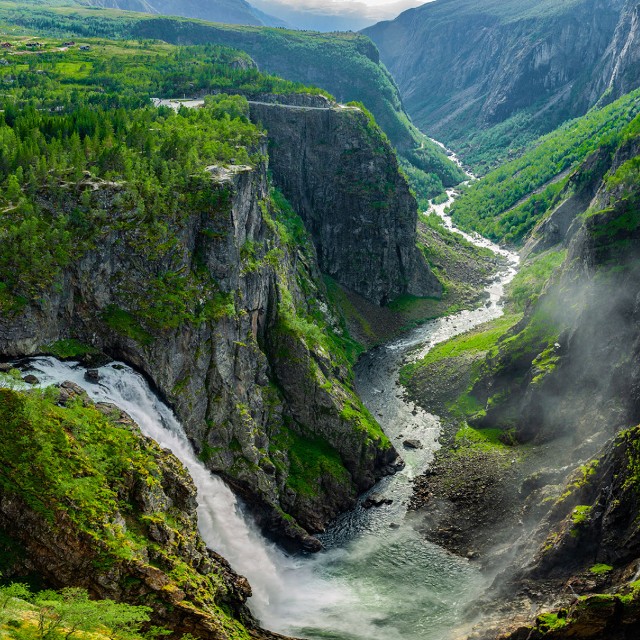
<point x="272" y="362"/>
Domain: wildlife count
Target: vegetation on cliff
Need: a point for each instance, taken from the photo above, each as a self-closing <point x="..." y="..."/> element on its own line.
<point x="165" y="222"/>
<point x="69" y="613"/>
<point x="506" y="204"/>
<point x="81" y="477"/>
<point x="481" y="350"/>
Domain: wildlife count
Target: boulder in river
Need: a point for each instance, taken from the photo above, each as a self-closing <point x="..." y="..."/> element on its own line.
<point x="392" y="468"/>
<point x="376" y="500"/>
<point x="30" y="379"/>
<point x="412" y="443"/>
<point x="92" y="375"/>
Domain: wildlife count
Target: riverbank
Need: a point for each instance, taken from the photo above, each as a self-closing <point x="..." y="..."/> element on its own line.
<point x="465" y="266"/>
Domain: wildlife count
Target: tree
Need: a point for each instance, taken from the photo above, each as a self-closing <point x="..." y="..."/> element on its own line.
<point x="122" y="620"/>
<point x="14" y="590"/>
<point x="14" y="192"/>
<point x="70" y="611"/>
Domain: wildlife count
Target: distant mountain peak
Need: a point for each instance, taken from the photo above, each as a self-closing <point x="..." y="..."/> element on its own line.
<point x="225" y="11"/>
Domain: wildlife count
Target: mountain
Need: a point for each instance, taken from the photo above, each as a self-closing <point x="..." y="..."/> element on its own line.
<point x="488" y="77"/>
<point x="226" y="11"/>
<point x="345" y="64"/>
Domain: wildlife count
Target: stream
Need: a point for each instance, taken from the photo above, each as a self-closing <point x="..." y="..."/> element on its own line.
<point x="377" y="578"/>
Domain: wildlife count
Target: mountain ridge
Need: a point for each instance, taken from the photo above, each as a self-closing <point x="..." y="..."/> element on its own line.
<point x="487" y="78"/>
<point x="226" y="11"/>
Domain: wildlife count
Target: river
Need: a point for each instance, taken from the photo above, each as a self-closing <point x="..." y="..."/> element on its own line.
<point x="377" y="579"/>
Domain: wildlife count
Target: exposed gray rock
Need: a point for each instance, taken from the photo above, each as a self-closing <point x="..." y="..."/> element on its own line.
<point x="92" y="375"/>
<point x="343" y="178"/>
<point x="231" y="380"/>
<point x="376" y="500"/>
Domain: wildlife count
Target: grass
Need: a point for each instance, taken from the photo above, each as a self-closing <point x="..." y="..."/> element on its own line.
<point x="74" y="70"/>
<point x="311" y="460"/>
<point x="482" y="439"/>
<point x="600" y="569"/>
<point x="357" y="414"/>
<point x="547" y="622"/>
<point x="525" y="289"/>
<point x="580" y="517"/>
<point x="86" y="473"/>
<point x="126" y="324"/>
<point x="477" y="341"/>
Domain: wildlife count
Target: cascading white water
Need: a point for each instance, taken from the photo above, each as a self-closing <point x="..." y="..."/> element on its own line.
<point x="367" y="586"/>
<point x="281" y="585"/>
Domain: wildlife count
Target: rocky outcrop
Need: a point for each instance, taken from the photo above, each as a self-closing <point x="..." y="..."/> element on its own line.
<point x="619" y="71"/>
<point x="467" y="66"/>
<point x="581" y="355"/>
<point x="341" y="175"/>
<point x="220" y="313"/>
<point x="345" y="64"/>
<point x="133" y="539"/>
<point x="557" y="226"/>
<point x="581" y="561"/>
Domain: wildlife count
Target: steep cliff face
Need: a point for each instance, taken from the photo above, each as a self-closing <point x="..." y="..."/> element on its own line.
<point x="566" y="380"/>
<point x="341" y="175"/>
<point x="345" y="64"/>
<point x="222" y="314"/>
<point x="619" y="71"/>
<point x="557" y="517"/>
<point x="583" y="355"/>
<point x="464" y="67"/>
<point x="92" y="503"/>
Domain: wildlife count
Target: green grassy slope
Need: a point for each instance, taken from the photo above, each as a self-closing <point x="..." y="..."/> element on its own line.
<point x="506" y="203"/>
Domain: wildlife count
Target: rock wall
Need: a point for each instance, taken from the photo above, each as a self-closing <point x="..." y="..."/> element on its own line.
<point x="241" y="400"/>
<point x="342" y="177"/>
<point x="188" y="587"/>
<point x="589" y="310"/>
<point x="619" y="71"/>
<point x="566" y="381"/>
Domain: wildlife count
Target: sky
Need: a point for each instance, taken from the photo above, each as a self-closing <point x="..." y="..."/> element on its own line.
<point x="368" y="11"/>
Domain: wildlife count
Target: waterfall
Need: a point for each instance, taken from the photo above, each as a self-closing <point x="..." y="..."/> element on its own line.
<point x="283" y="587"/>
<point x="374" y="583"/>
